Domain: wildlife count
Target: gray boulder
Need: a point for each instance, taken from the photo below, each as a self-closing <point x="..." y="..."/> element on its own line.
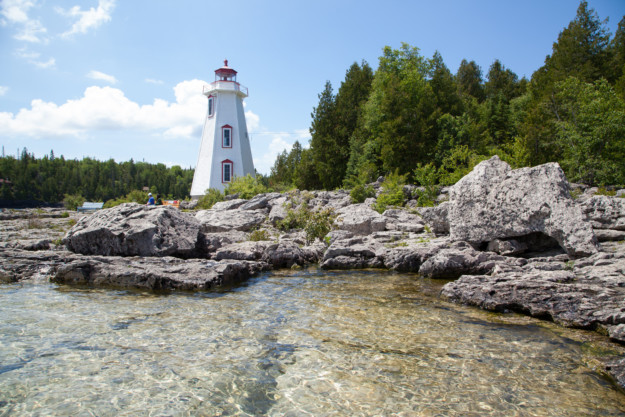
<point x="403" y="221"/>
<point x="436" y="217"/>
<point x="494" y="202"/>
<point x="134" y="230"/>
<point x="353" y="253"/>
<point x="605" y="212"/>
<point x="214" y="221"/>
<point x="360" y="219"/>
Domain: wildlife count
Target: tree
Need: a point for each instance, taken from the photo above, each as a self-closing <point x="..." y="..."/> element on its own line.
<point x="469" y="79"/>
<point x="325" y="151"/>
<point x="590" y="121"/>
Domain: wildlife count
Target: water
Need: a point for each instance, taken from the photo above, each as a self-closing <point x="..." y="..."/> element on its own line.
<point x="286" y="344"/>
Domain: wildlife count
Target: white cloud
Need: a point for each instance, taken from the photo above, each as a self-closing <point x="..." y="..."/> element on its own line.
<point x="3" y="90"/>
<point x="107" y="108"/>
<point x="16" y="12"/>
<point x="88" y="19"/>
<point x="97" y="75"/>
<point x="33" y="58"/>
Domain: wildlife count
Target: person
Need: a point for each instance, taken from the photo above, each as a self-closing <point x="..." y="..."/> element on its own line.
<point x="158" y="202"/>
<point x="150" y="200"/>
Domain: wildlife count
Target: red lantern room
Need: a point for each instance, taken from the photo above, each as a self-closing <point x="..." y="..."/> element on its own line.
<point x="225" y="73"/>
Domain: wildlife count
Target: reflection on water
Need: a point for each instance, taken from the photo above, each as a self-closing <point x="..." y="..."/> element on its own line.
<point x="292" y="343"/>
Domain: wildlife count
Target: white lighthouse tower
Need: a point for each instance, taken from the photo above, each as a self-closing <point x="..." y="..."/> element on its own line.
<point x="225" y="149"/>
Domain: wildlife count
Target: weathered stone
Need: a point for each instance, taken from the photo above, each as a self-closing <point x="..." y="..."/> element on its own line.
<point x="214" y="221"/>
<point x="278" y="211"/>
<point x="245" y="251"/>
<point x="605" y="212"/>
<point x="353" y="253"/>
<point x="436" y="217"/>
<point x="258" y="202"/>
<point x="155" y="273"/>
<point x="494" y="202"/>
<point x="229" y="204"/>
<point x="409" y="258"/>
<point x="360" y="219"/>
<point x="134" y="230"/>
<point x="605" y="235"/>
<point x="506" y="247"/>
<point x="461" y="259"/>
<point x="403" y="221"/>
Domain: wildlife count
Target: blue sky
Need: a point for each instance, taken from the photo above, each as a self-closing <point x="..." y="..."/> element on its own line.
<point x="123" y="78"/>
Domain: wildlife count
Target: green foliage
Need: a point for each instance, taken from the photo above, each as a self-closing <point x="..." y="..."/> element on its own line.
<point x="135" y="196"/>
<point x="426" y="176"/>
<point x="604" y="191"/>
<point x="246" y="187"/>
<point x="361" y="192"/>
<point x="316" y="224"/>
<point x="590" y="121"/>
<point x="392" y="193"/>
<point x="319" y="224"/>
<point x="72" y="202"/>
<point x="51" y="177"/>
<point x="258" y="235"/>
<point x="209" y="199"/>
<point x="458" y="163"/>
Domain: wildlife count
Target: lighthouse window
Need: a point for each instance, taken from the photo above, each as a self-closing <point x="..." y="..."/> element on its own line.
<point x="226" y="136"/>
<point x="226" y="171"/>
<point x="211" y="106"/>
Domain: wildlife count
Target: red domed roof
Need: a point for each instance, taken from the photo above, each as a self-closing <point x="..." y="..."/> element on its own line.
<point x="225" y="70"/>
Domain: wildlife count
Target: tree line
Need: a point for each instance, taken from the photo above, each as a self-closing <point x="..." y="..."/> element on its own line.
<point x="412" y="117"/>
<point x="49" y="179"/>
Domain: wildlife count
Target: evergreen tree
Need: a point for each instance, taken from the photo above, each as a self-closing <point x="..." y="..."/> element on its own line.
<point x="469" y="79"/>
<point x="325" y="151"/>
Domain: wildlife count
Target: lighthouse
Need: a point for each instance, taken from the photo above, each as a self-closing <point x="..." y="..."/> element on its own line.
<point x="225" y="148"/>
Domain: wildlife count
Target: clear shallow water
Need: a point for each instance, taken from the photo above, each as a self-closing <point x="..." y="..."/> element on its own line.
<point x="292" y="343"/>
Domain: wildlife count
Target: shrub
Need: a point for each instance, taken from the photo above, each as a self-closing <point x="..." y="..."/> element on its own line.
<point x="361" y="192"/>
<point x="246" y="187"/>
<point x="209" y="199"/>
<point x="258" y="235"/>
<point x="73" y="201"/>
<point x="426" y="176"/>
<point x="392" y="193"/>
<point x="316" y="224"/>
<point x="135" y="196"/>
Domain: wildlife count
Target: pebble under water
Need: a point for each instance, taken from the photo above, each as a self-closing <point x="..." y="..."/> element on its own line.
<point x="289" y="343"/>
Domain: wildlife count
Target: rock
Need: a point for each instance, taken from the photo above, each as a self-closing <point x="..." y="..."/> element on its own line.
<point x="605" y="212"/>
<point x="134" y="230"/>
<point x="403" y="221"/>
<point x="248" y="251"/>
<point x="210" y="242"/>
<point x="494" y="202"/>
<point x="214" y="221"/>
<point x="616" y="368"/>
<point x="278" y="211"/>
<point x="507" y="247"/>
<point x="436" y="217"/>
<point x="605" y="235"/>
<point x="155" y="273"/>
<point x="353" y="253"/>
<point x="360" y="219"/>
<point x="228" y="204"/>
<point x="587" y="293"/>
<point x="409" y="258"/>
<point x="258" y="202"/>
<point x="461" y="259"/>
<point x="287" y="253"/>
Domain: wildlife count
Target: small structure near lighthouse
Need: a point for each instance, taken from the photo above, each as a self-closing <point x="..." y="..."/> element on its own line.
<point x="225" y="148"/>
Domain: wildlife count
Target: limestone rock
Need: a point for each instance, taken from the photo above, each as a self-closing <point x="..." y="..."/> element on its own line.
<point x="403" y="221"/>
<point x="360" y="219"/>
<point x="214" y="221"/>
<point x="155" y="273"/>
<point x="436" y="217"/>
<point x="494" y="202"/>
<point x="134" y="230"/>
<point x="353" y="253"/>
<point x="605" y="212"/>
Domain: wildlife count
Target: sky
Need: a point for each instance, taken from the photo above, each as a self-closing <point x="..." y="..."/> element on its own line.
<point x="123" y="79"/>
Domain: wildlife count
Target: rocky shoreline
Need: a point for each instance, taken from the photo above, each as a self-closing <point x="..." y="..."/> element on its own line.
<point x="512" y="240"/>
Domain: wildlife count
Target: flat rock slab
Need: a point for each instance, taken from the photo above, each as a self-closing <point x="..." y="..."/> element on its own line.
<point x="215" y="221"/>
<point x="165" y="273"/>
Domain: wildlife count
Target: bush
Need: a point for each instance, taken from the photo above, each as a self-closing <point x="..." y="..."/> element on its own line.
<point x="361" y="192"/>
<point x="427" y="177"/>
<point x="392" y="193"/>
<point x="246" y="187"/>
<point x="258" y="235"/>
<point x="316" y="224"/>
<point x="135" y="196"/>
<point x="209" y="199"/>
<point x="72" y="202"/>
